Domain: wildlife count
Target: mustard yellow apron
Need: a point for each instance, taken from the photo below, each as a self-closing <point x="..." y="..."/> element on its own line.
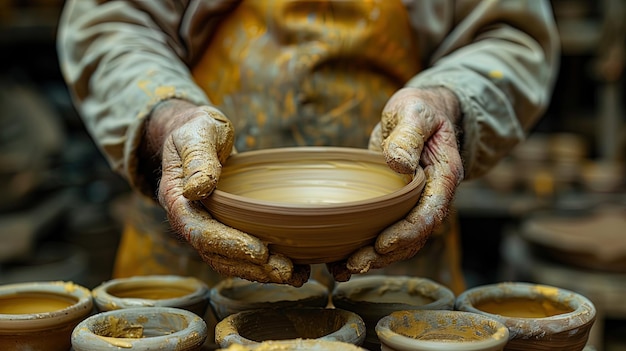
<point x="291" y="73"/>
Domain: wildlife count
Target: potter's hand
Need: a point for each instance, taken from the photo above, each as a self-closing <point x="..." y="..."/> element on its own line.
<point x="417" y="130"/>
<point x="193" y="143"/>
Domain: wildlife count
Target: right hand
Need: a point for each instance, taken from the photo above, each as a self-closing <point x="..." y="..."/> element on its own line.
<point x="193" y="142"/>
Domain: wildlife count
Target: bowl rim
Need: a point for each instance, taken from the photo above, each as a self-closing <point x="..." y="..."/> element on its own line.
<point x="194" y="331"/>
<point x="105" y="299"/>
<point x="581" y="307"/>
<point x="27" y="322"/>
<point x="417" y="181"/>
<point x="442" y="296"/>
<point x="388" y="336"/>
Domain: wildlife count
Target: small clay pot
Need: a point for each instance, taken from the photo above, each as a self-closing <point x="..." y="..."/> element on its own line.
<point x="233" y="295"/>
<point x="151" y="291"/>
<point x="40" y="316"/>
<point x="374" y="297"/>
<point x="424" y="330"/>
<point x="539" y="317"/>
<point x="139" y="329"/>
<point x="253" y="327"/>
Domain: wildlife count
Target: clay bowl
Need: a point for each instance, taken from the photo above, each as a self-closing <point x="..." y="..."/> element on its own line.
<point x="439" y="330"/>
<point x="313" y="204"/>
<point x="141" y="329"/>
<point x="40" y="316"/>
<point x="233" y="295"/>
<point x="256" y="326"/>
<point x="539" y="317"/>
<point x="152" y="291"/>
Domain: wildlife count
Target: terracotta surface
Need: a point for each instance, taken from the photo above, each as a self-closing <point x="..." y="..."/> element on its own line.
<point x="235" y="295"/>
<point x="154" y="290"/>
<point x="429" y="330"/>
<point x="253" y="327"/>
<point x="40" y="316"/>
<point x="531" y="313"/>
<point x="374" y="297"/>
<point x="312" y="204"/>
<point x="141" y="328"/>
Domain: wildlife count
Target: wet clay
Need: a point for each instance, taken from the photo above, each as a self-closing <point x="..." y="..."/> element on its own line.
<point x="453" y="330"/>
<point x="523" y="307"/>
<point x="27" y="303"/>
<point x="114" y="327"/>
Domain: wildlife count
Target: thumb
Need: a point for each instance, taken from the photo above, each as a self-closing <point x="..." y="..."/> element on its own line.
<point x="405" y="135"/>
<point x="203" y="144"/>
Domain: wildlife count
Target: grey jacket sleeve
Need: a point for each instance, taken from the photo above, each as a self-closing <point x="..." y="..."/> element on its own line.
<point x="501" y="59"/>
<point x="120" y="59"/>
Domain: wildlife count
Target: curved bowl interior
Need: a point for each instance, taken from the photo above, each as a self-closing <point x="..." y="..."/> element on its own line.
<point x="530" y="310"/>
<point x="441" y="330"/>
<point x="141" y="328"/>
<point x="312" y="204"/>
<point x="256" y="326"/>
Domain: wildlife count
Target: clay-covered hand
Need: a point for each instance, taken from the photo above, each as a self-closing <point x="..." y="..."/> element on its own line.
<point x="418" y="129"/>
<point x="193" y="142"/>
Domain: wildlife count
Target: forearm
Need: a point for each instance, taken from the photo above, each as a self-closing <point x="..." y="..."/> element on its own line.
<point x="501" y="62"/>
<point x="119" y="65"/>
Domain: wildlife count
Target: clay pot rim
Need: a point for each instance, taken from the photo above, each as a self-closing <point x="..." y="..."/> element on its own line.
<point x="582" y="308"/>
<point x="45" y="320"/>
<point x="315" y="210"/>
<point x="354" y="324"/>
<point x="194" y="322"/>
<point x="105" y="300"/>
<point x="390" y="337"/>
<point x="216" y="295"/>
<point x="442" y="295"/>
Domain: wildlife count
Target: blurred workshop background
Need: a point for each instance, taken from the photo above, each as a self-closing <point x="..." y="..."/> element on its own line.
<point x="552" y="212"/>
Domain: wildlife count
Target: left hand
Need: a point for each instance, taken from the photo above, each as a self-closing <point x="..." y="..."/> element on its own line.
<point x="418" y="129"/>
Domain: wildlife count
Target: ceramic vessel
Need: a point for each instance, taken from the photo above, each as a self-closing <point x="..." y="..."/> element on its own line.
<point x="253" y="327"/>
<point x="313" y="204"/>
<point x="374" y="297"/>
<point x="40" y="316"/>
<point x="425" y="330"/>
<point x="153" y="291"/>
<point x="141" y="329"/>
<point x="539" y="317"/>
<point x="233" y="295"/>
<point x="296" y="345"/>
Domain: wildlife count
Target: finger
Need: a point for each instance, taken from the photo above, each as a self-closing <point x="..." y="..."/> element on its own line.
<point x="195" y="224"/>
<point x="442" y="179"/>
<point x="277" y="270"/>
<point x="367" y="258"/>
<point x="408" y="123"/>
<point x="203" y="146"/>
<point x="339" y="271"/>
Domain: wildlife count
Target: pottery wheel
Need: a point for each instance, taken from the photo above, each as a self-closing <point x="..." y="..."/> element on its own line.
<point x="596" y="240"/>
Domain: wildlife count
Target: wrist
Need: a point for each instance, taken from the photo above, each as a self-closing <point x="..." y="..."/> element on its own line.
<point x="165" y="118"/>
